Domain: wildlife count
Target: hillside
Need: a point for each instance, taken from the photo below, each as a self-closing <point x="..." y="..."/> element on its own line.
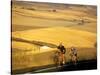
<point x="38" y="28"/>
<point x="24" y="17"/>
<point x="69" y="37"/>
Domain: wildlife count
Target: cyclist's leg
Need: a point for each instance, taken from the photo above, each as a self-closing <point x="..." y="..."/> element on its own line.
<point x="58" y="59"/>
<point x="63" y="59"/>
<point x="74" y="60"/>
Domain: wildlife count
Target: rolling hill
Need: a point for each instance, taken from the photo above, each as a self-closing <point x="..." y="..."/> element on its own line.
<point x="38" y="28"/>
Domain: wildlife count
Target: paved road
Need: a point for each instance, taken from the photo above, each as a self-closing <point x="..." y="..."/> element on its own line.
<point x="82" y="65"/>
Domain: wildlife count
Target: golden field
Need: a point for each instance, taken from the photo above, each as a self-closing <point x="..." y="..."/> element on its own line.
<point x="43" y="25"/>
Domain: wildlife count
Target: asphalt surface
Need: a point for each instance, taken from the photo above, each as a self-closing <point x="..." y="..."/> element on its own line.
<point x="82" y="65"/>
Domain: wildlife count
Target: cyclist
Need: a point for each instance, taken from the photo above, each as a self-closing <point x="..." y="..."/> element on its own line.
<point x="74" y="55"/>
<point x="62" y="51"/>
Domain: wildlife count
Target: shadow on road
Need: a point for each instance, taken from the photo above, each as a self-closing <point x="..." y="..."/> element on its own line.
<point x="81" y="65"/>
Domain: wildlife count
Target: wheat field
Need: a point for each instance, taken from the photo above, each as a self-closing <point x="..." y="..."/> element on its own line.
<point x="46" y="24"/>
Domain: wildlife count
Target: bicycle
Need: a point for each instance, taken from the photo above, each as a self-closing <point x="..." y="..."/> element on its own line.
<point x="59" y="59"/>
